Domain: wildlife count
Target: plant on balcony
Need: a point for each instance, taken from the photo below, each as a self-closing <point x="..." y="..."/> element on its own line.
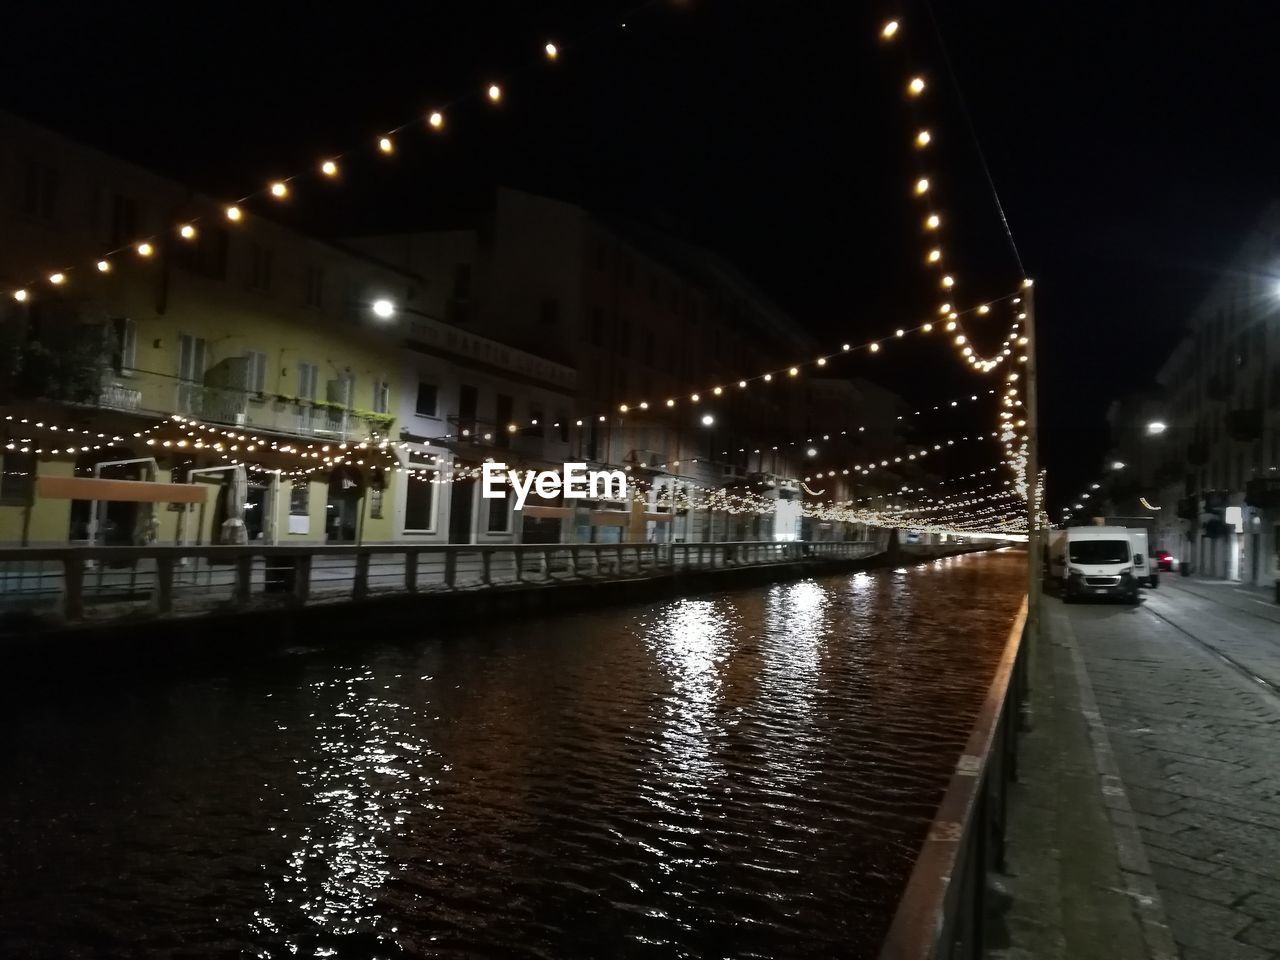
<point x="69" y="368"/>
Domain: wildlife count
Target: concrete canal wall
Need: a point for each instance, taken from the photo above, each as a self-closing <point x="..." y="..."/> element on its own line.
<point x="153" y="640"/>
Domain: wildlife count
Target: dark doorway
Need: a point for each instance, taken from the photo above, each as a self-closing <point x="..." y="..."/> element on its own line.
<point x="461" y="501"/>
<point x="342" y="512"/>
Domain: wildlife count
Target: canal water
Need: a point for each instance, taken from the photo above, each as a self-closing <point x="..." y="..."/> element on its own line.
<point x="743" y="774"/>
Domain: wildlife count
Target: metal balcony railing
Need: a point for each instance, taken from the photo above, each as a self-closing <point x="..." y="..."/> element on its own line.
<point x="145" y="392"/>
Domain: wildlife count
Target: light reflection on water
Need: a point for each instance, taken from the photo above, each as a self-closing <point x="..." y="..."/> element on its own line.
<point x="745" y="773"/>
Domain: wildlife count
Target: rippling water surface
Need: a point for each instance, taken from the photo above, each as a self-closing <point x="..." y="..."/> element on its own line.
<point x="742" y="774"/>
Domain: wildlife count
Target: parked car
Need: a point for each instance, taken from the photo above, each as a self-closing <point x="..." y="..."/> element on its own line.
<point x="1164" y="560"/>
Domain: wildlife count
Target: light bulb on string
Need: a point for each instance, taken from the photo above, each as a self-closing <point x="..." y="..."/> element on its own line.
<point x="187" y="232"/>
<point x="385" y="144"/>
<point x="233" y="213"/>
<point x="552" y="51"/>
<point x="494" y="92"/>
<point x="436" y="120"/>
<point x="916" y="86"/>
<point x="923" y="138"/>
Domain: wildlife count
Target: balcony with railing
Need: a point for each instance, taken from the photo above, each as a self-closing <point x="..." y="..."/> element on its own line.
<point x="145" y="392"/>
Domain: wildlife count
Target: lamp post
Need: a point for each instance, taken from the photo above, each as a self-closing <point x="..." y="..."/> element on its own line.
<point x="1032" y="478"/>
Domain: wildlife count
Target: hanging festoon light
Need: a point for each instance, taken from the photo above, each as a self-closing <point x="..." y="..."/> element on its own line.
<point x="328" y="168"/>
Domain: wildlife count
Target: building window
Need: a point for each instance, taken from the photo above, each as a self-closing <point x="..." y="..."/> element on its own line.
<point x="314" y="293"/>
<point x="124" y="220"/>
<point x="462" y="281"/>
<point x="259" y="267"/>
<point x="308" y="381"/>
<point x="124" y="344"/>
<point x="381" y="396"/>
<point x="499" y="516"/>
<point x="191" y="358"/>
<point x="17" y="478"/>
<point x="256" y="371"/>
<point x="419" y="500"/>
<point x="549" y="312"/>
<point x="505" y="417"/>
<point x="40" y="191"/>
<point x="428" y="398"/>
<point x="206" y="255"/>
<point x="595" y="332"/>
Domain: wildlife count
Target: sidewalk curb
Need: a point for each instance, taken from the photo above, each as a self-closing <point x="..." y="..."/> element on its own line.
<point x="1130" y="850"/>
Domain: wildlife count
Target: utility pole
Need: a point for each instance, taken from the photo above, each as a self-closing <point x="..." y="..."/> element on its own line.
<point x="1034" y="550"/>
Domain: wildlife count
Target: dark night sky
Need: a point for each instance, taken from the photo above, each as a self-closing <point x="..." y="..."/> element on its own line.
<point x="1132" y="144"/>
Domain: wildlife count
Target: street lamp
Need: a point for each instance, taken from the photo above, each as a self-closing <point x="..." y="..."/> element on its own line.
<point x="708" y="420"/>
<point x="1156" y="427"/>
<point x="384" y="309"/>
<point x="1117" y="465"/>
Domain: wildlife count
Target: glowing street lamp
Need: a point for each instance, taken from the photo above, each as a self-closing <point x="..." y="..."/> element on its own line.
<point x="384" y="309"/>
<point x="1156" y="427"/>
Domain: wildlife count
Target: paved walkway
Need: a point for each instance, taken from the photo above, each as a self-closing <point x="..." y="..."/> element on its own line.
<point x="1146" y="822"/>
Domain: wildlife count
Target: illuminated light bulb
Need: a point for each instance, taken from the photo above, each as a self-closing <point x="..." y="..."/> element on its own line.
<point x="874" y="348"/>
<point x="889" y="30"/>
<point x="279" y="190"/>
<point x="923" y="138"/>
<point x="945" y="308"/>
<point x="922" y="185"/>
<point x="953" y="315"/>
<point x="822" y="361"/>
<point x="329" y="168"/>
<point x="644" y="405"/>
<point x="932" y="222"/>
<point x="968" y="351"/>
<point x="671" y="403"/>
<point x="793" y="371"/>
<point x="916" y="86"/>
<point x="984" y="309"/>
<point x="948" y="281"/>
<point x="20" y="296"/>
<point x="846" y="347"/>
<point x="145" y="249"/>
<point x="951" y="325"/>
<point x="436" y="120"/>
<point x="385" y="144"/>
<point x="960" y="340"/>
<point x="935" y="255"/>
<point x="928" y="327"/>
<point x="233" y="213"/>
<point x="899" y="332"/>
<point x="104" y="266"/>
<point x="694" y="397"/>
<point x="495" y="92"/>
<point x="1028" y="282"/>
<point x="742" y="384"/>
<point x="57" y="279"/>
<point x="511" y="428"/>
<point x="551" y="50"/>
<point x="187" y="232"/>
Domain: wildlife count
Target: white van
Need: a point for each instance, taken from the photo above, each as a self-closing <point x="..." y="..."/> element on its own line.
<point x="1096" y="562"/>
<point x="1144" y="566"/>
